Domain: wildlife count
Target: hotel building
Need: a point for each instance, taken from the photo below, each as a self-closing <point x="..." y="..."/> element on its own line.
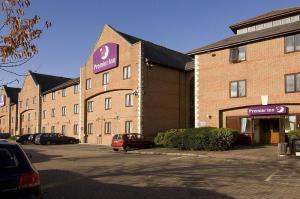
<point x="251" y="81"/>
<point x="129" y="85"/>
<point x="8" y="109"/>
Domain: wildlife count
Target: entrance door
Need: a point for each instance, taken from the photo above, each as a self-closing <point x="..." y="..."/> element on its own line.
<point x="265" y="131"/>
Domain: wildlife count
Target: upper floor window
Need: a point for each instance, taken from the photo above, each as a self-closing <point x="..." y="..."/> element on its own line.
<point x="107" y="127"/>
<point x="44" y="98"/>
<point x="128" y="100"/>
<point x="127" y="72"/>
<point x="76" y="88"/>
<point x="128" y="127"/>
<point x="76" y="129"/>
<point x="64" y="92"/>
<point x="53" y="96"/>
<point x="292" y="83"/>
<point x="90" y="128"/>
<point x="76" y="108"/>
<point x="53" y="112"/>
<point x="237" y="54"/>
<point x="63" y="110"/>
<point x="105" y="79"/>
<point x="44" y="114"/>
<point x="90" y="106"/>
<point x="107" y="103"/>
<point x="292" y="43"/>
<point x="238" y="88"/>
<point x="88" y="84"/>
<point x="34" y="100"/>
<point x="27" y="102"/>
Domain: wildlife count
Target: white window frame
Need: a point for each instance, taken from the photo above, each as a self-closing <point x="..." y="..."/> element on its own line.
<point x="90" y="106"/>
<point x="107" y="103"/>
<point x="105" y="78"/>
<point x="107" y="127"/>
<point x="128" y="100"/>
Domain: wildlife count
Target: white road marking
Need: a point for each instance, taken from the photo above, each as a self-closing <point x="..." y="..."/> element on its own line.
<point x="271" y="176"/>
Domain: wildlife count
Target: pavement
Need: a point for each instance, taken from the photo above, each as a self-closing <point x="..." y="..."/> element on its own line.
<point x="93" y="172"/>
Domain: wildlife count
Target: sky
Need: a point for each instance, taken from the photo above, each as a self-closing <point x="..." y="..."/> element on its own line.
<point x="181" y="25"/>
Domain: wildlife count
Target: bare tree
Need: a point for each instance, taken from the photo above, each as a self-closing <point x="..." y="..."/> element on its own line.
<point x="18" y="34"/>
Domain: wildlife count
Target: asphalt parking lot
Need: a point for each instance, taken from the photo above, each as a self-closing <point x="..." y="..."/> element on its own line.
<point x="93" y="172"/>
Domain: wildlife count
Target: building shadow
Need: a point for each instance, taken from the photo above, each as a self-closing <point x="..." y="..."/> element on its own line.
<point x="36" y="155"/>
<point x="59" y="184"/>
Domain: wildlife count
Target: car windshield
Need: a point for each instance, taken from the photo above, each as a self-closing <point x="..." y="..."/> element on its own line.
<point x="7" y="159"/>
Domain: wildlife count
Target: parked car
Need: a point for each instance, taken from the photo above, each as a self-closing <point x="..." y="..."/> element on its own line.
<point x="32" y="137"/>
<point x="18" y="178"/>
<point x="55" y="138"/>
<point x="24" y="139"/>
<point x="4" y="135"/>
<point x="129" y="141"/>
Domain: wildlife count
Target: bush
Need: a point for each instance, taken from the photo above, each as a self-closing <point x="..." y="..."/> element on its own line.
<point x="206" y="138"/>
<point x="295" y="134"/>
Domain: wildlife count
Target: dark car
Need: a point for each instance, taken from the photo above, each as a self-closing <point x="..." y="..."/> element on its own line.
<point x="24" y="139"/>
<point x="55" y="138"/>
<point x="4" y="135"/>
<point x="32" y="137"/>
<point x="18" y="178"/>
<point x="129" y="141"/>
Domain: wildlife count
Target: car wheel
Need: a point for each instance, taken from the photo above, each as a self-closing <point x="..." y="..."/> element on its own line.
<point x="48" y="142"/>
<point x="116" y="149"/>
<point x="127" y="148"/>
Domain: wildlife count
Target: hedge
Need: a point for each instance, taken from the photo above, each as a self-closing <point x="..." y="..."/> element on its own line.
<point x="206" y="138"/>
<point x="295" y="134"/>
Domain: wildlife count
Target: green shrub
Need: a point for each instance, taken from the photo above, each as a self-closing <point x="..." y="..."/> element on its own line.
<point x="206" y="138"/>
<point x="295" y="134"/>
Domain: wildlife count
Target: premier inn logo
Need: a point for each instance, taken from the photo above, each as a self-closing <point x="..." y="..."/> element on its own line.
<point x="105" y="57"/>
<point x="2" y="100"/>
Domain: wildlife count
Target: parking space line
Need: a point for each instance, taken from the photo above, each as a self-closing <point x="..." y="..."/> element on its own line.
<point x="271" y="176"/>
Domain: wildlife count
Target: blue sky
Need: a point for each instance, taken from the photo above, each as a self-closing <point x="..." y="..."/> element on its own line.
<point x="181" y="25"/>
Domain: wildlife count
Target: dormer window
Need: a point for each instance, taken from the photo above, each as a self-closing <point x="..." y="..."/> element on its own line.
<point x="237" y="54"/>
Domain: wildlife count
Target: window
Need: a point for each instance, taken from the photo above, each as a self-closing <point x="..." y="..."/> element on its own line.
<point x="88" y="84"/>
<point x="27" y="102"/>
<point x="53" y="112"/>
<point x="63" y="129"/>
<point x="44" y="98"/>
<point x="76" y="88"/>
<point x="53" y="96"/>
<point x="28" y="117"/>
<point x="34" y="100"/>
<point x="90" y="106"/>
<point x="127" y="72"/>
<point x="292" y="83"/>
<point x="75" y="129"/>
<point x="237" y="54"/>
<point x="63" y="110"/>
<point x="107" y="127"/>
<point x="238" y="88"/>
<point x="64" y="92"/>
<point x="107" y="102"/>
<point x="245" y="125"/>
<point x="76" y="108"/>
<point x="105" y="79"/>
<point x="128" y="127"/>
<point x="290" y="123"/>
<point x="44" y="114"/>
<point x="44" y="129"/>
<point x="292" y="43"/>
<point x="128" y="100"/>
<point x="52" y="129"/>
<point x="90" y="128"/>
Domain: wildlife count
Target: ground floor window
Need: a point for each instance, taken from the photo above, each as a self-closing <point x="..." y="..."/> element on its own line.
<point x="63" y="129"/>
<point x="128" y="127"/>
<point x="289" y="123"/>
<point x="90" y="128"/>
<point x="75" y="129"/>
<point x="52" y="129"/>
<point x="107" y="127"/>
<point x="44" y="129"/>
<point x="245" y="125"/>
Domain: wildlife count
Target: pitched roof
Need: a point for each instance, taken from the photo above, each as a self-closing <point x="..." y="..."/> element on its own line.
<point x="158" y="54"/>
<point x="66" y="84"/>
<point x="275" y="14"/>
<point x="250" y="37"/>
<point x="190" y="66"/>
<point x="48" y="82"/>
<point x="12" y="93"/>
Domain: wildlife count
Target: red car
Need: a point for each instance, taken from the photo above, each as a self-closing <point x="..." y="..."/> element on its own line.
<point x="129" y="141"/>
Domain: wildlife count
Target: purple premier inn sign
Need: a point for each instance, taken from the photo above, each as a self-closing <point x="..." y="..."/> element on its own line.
<point x="105" y="57"/>
<point x="2" y="100"/>
<point x="267" y="110"/>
